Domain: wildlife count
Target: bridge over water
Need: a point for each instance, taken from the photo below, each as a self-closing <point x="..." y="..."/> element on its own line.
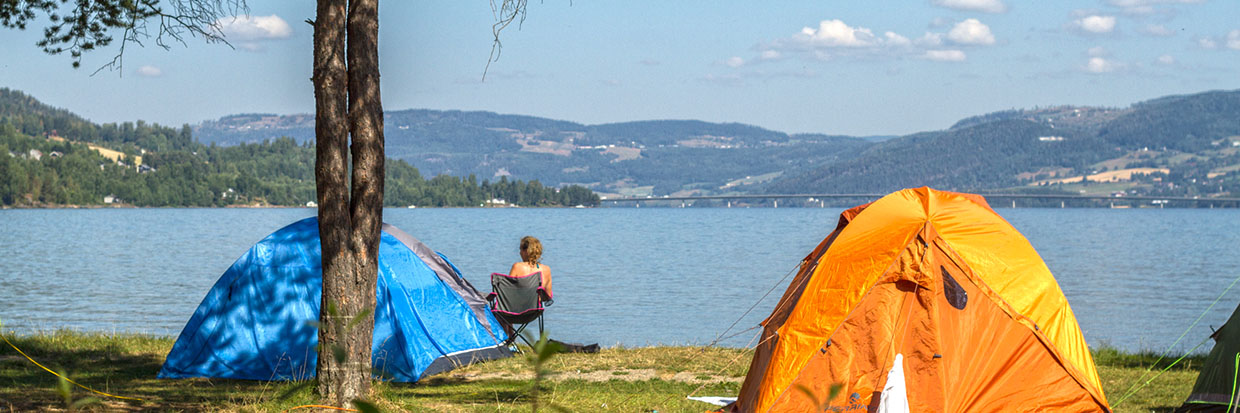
<point x="996" y="199"/>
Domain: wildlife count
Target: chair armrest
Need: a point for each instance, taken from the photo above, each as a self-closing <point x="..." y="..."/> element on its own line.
<point x="545" y="297"/>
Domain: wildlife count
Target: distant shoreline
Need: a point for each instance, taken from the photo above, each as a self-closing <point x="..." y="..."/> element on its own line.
<point x="51" y="207"/>
<point x="6" y="207"/>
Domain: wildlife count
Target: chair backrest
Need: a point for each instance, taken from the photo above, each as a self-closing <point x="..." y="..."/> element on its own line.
<point x="515" y="296"/>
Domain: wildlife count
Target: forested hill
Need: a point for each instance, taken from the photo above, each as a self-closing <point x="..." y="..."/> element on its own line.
<point x="1177" y="145"/>
<point x="1185" y="145"/>
<point x="51" y="157"/>
<point x="632" y="158"/>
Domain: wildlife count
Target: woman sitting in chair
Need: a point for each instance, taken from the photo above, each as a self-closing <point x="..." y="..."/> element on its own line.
<point x="531" y="254"/>
<point x="519" y="296"/>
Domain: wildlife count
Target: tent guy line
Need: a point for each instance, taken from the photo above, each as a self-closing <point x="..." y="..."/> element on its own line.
<point x="1136" y="387"/>
<point x="19" y="351"/>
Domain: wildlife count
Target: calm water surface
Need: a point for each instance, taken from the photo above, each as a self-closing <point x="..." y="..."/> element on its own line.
<point x="1135" y="278"/>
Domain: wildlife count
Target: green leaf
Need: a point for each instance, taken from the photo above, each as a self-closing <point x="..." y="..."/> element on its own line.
<point x="365" y="406"/>
<point x="339" y="353"/>
<point x="358" y="318"/>
<point x="810" y="394"/>
<point x="84" y="402"/>
<point x="331" y="308"/>
<point x="293" y="389"/>
<point x="835" y="391"/>
<point x="62" y="387"/>
<point x="544" y="349"/>
<point x="549" y="350"/>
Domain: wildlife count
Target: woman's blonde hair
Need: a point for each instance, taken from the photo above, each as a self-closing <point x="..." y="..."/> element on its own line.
<point x="532" y="248"/>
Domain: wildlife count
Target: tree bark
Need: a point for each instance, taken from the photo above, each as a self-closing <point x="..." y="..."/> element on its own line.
<point x="352" y="284"/>
<point x="331" y="176"/>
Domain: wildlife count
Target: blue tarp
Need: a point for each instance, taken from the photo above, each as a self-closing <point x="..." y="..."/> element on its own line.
<point x="259" y="321"/>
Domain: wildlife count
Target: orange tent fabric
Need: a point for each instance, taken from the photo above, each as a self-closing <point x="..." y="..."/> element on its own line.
<point x="946" y="283"/>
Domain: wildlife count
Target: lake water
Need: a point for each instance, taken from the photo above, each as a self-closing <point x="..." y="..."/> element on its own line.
<point x="1136" y="278"/>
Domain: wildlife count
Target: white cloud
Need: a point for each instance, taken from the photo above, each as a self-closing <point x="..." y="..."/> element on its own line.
<point x="985" y="6"/>
<point x="1101" y="65"/>
<point x="1098" y="51"/>
<point x="734" y="61"/>
<point x="836" y="33"/>
<point x="254" y="27"/>
<point x="1146" y="6"/>
<point x="895" y="39"/>
<point x="834" y="39"/>
<point x="1165" y="60"/>
<point x="248" y="31"/>
<point x="1233" y="39"/>
<point x="944" y="55"/>
<point x="971" y="31"/>
<point x="149" y="71"/>
<point x="1207" y="43"/>
<point x="930" y="39"/>
<point x="1157" y="30"/>
<point x="1096" y="24"/>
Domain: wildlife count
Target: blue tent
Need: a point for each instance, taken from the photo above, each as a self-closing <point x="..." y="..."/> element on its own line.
<point x="259" y="321"/>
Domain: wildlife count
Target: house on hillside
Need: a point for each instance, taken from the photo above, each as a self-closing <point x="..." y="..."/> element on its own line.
<point x="111" y="199"/>
<point x="35" y="154"/>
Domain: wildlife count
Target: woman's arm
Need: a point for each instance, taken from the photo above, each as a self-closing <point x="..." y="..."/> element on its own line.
<point x="546" y="280"/>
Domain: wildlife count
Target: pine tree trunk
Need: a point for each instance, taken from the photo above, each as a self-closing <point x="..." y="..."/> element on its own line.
<point x="331" y="176"/>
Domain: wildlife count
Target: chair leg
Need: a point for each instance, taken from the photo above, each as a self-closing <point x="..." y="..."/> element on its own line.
<point x="515" y="335"/>
<point x="526" y="340"/>
<point x="540" y="332"/>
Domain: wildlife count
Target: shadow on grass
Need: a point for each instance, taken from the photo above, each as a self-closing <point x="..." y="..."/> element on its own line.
<point x="105" y="365"/>
<point x="459" y="391"/>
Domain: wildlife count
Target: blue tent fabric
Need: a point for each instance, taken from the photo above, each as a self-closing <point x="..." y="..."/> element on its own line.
<point x="259" y="321"/>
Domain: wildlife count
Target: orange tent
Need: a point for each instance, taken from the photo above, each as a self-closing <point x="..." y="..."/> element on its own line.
<point x="923" y="300"/>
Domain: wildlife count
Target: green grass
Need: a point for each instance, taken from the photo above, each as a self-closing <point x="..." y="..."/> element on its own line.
<point x="617" y="379"/>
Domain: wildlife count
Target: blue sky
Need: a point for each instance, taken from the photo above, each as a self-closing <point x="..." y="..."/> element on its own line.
<point x="873" y="67"/>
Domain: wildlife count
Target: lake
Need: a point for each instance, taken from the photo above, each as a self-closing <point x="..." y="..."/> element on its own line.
<point x="1136" y="278"/>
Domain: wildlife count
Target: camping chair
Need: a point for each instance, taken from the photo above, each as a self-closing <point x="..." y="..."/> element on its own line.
<point x="518" y="301"/>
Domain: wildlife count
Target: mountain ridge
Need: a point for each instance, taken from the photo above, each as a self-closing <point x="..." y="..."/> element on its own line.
<point x="686" y="157"/>
<point x="1182" y="145"/>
